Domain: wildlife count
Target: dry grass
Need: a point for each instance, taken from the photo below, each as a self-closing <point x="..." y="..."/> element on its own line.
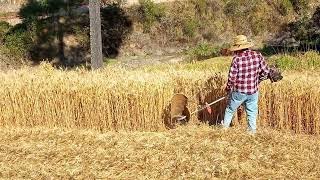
<point x="186" y="153"/>
<point x="13" y="1"/>
<point x="107" y="100"/>
<point x="44" y="113"/>
<point x="116" y="99"/>
<point x="292" y="104"/>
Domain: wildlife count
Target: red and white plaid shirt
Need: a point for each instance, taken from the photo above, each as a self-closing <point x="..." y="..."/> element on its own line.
<point x="246" y="68"/>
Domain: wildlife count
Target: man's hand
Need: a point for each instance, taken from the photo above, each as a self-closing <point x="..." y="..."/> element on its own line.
<point x="275" y="75"/>
<point x="228" y="92"/>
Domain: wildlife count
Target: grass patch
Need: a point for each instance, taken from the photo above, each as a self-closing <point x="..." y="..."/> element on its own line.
<point x="110" y="61"/>
<point x="307" y="61"/>
<point x="203" y="51"/>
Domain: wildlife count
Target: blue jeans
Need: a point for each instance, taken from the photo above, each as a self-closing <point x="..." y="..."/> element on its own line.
<point x="251" y="105"/>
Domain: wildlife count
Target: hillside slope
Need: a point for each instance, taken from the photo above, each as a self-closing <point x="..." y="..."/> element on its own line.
<point x="160" y="29"/>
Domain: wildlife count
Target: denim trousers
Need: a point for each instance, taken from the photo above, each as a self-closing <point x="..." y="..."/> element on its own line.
<point x="250" y="103"/>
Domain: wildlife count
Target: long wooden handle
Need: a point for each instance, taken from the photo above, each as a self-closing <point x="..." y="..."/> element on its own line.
<point x="215" y="102"/>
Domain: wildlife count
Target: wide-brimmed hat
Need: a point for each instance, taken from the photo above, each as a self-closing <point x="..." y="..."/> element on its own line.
<point x="241" y="42"/>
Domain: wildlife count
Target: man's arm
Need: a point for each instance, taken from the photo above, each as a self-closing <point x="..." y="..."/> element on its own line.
<point x="264" y="70"/>
<point x="232" y="75"/>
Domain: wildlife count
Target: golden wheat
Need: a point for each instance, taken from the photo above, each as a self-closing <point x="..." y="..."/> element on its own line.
<point x="117" y="99"/>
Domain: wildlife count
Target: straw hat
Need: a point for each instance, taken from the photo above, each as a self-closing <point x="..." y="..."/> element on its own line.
<point x="241" y="42"/>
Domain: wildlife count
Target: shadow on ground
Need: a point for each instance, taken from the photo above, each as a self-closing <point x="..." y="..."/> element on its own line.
<point x="58" y="31"/>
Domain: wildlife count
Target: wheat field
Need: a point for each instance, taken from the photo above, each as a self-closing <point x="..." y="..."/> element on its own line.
<point x="119" y="99"/>
<point x="114" y="124"/>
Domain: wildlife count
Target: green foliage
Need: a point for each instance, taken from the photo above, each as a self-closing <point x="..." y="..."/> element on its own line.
<point x="150" y="13"/>
<point x="307" y="31"/>
<point x="203" y="51"/>
<point x="4" y="28"/>
<point x="45" y="26"/>
<point x="51" y="30"/>
<point x="190" y="27"/>
<point x="232" y="8"/>
<point x="300" y="6"/>
<point x="18" y="41"/>
<point x="35" y="8"/>
<point x="201" y="6"/>
<point x="242" y="14"/>
<point x="287" y="62"/>
<point x="110" y="61"/>
<point x="285" y="6"/>
<point x="82" y="35"/>
<point x="240" y="8"/>
<point x="300" y="29"/>
<point x="310" y="60"/>
<point x="316" y="18"/>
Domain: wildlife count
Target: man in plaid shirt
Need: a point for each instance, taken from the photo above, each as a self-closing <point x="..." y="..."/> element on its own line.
<point x="243" y="81"/>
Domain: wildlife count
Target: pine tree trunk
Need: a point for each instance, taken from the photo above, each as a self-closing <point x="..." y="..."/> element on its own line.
<point x="95" y="34"/>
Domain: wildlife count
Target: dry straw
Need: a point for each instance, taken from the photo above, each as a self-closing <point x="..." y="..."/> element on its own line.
<point x="116" y="99"/>
<point x="185" y="153"/>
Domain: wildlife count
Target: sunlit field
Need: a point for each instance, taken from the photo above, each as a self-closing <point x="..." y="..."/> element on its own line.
<point x="115" y="124"/>
<point x="185" y="153"/>
<point x="120" y="99"/>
